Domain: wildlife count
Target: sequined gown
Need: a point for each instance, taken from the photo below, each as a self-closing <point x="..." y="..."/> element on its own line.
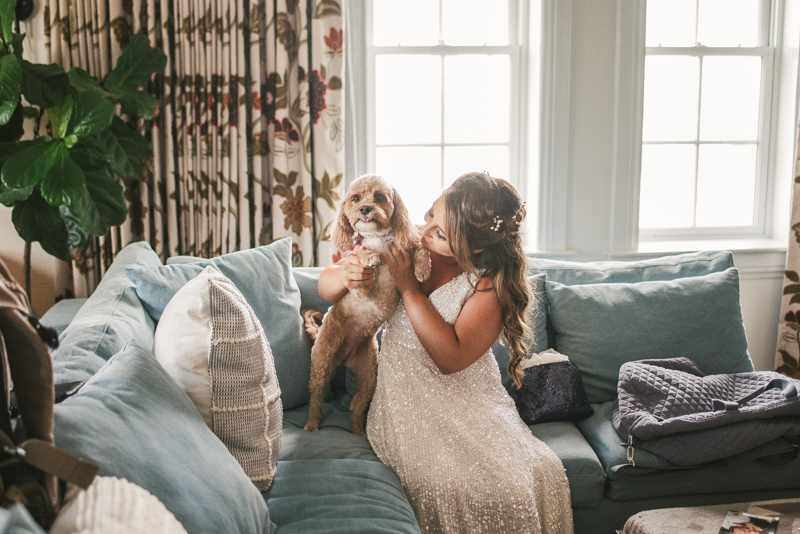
<point x="466" y="460"/>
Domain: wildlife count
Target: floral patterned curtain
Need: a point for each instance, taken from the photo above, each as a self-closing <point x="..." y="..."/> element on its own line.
<point x="249" y="142"/>
<point x="787" y="359"/>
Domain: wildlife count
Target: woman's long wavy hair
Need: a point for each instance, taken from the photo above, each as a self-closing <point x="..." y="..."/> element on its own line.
<point x="483" y="216"/>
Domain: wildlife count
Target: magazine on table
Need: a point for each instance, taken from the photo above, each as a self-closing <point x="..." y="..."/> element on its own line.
<point x="746" y="523"/>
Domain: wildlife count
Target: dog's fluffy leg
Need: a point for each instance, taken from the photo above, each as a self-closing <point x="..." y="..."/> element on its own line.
<point x="328" y="341"/>
<point x="365" y="374"/>
<point x="422" y="264"/>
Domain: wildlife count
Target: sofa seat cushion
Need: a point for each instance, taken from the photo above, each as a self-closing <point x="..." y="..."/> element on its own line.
<point x="111" y="317"/>
<point x="136" y="423"/>
<point x="643" y="484"/>
<point x="587" y="479"/>
<point x="339" y="497"/>
<point x="333" y="440"/>
<point x="264" y="276"/>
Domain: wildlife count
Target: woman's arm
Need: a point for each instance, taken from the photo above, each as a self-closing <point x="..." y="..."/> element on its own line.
<point x="347" y="273"/>
<point x="451" y="347"/>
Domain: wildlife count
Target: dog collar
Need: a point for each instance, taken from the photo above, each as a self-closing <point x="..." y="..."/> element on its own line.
<point x="383" y="237"/>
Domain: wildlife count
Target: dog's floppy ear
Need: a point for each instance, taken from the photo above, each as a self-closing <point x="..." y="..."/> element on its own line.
<point x="341" y="232"/>
<point x="406" y="234"/>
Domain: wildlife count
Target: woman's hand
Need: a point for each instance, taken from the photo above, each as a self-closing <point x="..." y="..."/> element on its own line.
<point x="401" y="265"/>
<point x="353" y="273"/>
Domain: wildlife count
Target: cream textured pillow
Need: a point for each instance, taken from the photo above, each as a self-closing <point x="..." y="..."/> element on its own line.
<point x="114" y="505"/>
<point x="212" y="344"/>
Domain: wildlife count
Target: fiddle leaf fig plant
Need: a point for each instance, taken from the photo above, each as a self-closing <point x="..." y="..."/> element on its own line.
<point x="64" y="186"/>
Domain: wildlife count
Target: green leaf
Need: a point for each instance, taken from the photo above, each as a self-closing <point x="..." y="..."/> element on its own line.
<point x="139" y="103"/>
<point x="13" y="129"/>
<point x="8" y="197"/>
<point x="101" y="205"/>
<point x="10" y="80"/>
<point x="91" y="114"/>
<point x="791" y="289"/>
<point x="16" y="43"/>
<point x="34" y="218"/>
<point x="60" y="115"/>
<point x="135" y="66"/>
<point x="128" y="148"/>
<point x="7" y="8"/>
<point x="44" y="85"/>
<point x="27" y="167"/>
<point x="64" y="182"/>
<point x="59" y="243"/>
<point x="795" y="299"/>
<point x="792" y="275"/>
<point x="83" y="81"/>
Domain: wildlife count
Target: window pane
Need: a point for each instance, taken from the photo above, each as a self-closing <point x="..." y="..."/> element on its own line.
<point x="477" y="98"/>
<point x="670" y="23"/>
<point x="408" y="23"/>
<point x="474" y="22"/>
<point x="730" y="99"/>
<point x="671" y="89"/>
<point x="416" y="174"/>
<point x="728" y="22"/>
<point x="462" y="159"/>
<point x="408" y="103"/>
<point x="726" y="177"/>
<point x="667" y="186"/>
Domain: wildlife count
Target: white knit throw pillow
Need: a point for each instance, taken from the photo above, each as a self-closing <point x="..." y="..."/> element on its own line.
<point x="113" y="505"/>
<point x="212" y="344"/>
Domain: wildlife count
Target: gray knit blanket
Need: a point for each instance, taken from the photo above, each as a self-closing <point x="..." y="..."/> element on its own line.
<point x="668" y="407"/>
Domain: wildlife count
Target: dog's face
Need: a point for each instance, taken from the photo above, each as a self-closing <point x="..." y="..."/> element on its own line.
<point x="369" y="205"/>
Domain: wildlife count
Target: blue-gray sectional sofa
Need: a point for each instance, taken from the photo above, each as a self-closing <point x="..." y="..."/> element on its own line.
<point x="136" y="423"/>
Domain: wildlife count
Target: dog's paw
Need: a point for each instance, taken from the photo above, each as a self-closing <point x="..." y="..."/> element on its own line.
<point x="311" y="427"/>
<point x="422" y="264"/>
<point x="369" y="258"/>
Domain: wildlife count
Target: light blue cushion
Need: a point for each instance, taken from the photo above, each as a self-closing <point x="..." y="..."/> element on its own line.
<point x="264" y="276"/>
<point x="587" y="479"/>
<point x="339" y="497"/>
<point x="160" y="442"/>
<point x="111" y="317"/>
<point x="538" y="326"/>
<point x="62" y="313"/>
<point x="17" y="520"/>
<point x="664" y="268"/>
<point x="333" y="440"/>
<point x="601" y="326"/>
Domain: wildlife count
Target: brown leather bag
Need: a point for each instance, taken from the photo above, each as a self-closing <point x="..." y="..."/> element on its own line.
<point x="30" y="464"/>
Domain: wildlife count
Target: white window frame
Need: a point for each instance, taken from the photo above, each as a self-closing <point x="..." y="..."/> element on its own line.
<point x="773" y="160"/>
<point x="517" y="51"/>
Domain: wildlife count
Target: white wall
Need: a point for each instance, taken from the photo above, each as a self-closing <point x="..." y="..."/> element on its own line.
<point x="590" y="171"/>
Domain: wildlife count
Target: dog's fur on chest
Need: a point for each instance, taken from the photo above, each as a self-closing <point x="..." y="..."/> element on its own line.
<point x="373" y="215"/>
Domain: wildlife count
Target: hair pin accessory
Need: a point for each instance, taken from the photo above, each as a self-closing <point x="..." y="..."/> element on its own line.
<point x="497" y="222"/>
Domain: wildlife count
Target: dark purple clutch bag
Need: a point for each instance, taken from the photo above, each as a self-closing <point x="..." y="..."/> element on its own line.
<point x="552" y="392"/>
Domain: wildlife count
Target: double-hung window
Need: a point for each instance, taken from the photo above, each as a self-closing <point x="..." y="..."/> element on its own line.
<point x="443" y="93"/>
<point x="708" y="84"/>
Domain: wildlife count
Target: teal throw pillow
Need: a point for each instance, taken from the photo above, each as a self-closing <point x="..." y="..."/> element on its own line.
<point x="664" y="268"/>
<point x="601" y="326"/>
<point x="264" y="276"/>
<point x="136" y="423"/>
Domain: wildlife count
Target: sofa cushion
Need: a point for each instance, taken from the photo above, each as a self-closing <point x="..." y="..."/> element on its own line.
<point x="572" y="273"/>
<point x="586" y="476"/>
<point x="601" y="326"/>
<point x="61" y="314"/>
<point x="16" y="520"/>
<point x="646" y="483"/>
<point x="333" y="440"/>
<point x="111" y="317"/>
<point x="161" y="443"/>
<point x="264" y="276"/>
<point x="339" y="497"/>
<point x="211" y="343"/>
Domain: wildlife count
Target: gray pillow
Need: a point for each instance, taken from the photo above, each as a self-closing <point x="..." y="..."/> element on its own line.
<point x="601" y="326"/>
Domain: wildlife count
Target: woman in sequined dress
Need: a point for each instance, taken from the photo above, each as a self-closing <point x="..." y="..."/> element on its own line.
<point x="440" y="417"/>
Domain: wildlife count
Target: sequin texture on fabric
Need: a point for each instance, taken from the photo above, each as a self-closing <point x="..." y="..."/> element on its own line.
<point x="465" y="458"/>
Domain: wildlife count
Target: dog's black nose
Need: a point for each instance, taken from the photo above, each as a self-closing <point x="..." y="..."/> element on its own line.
<point x="365" y="210"/>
